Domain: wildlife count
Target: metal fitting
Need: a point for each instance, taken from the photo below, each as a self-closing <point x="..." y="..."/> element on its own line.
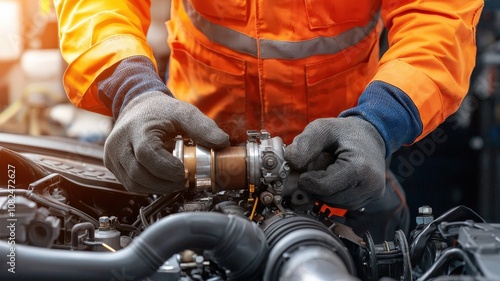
<point x="104" y="223"/>
<point x="424" y="215"/>
<point x="266" y="197"/>
<point x="425" y="210"/>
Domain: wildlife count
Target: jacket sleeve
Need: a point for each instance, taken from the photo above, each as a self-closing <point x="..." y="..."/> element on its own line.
<point x="94" y="36"/>
<point x="431" y="54"/>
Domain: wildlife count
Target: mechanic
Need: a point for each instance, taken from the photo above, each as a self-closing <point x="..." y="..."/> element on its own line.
<point x="308" y="71"/>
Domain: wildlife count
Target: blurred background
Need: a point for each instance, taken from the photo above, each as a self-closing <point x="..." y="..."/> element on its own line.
<point x="458" y="164"/>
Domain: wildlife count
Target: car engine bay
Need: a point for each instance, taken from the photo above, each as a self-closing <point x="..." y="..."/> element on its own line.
<point x="64" y="216"/>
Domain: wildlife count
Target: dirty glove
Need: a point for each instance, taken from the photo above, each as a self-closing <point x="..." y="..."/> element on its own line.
<point x="135" y="150"/>
<point x="357" y="174"/>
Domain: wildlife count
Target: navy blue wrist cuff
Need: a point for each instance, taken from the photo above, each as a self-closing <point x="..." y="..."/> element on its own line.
<point x="391" y="111"/>
<point x="132" y="77"/>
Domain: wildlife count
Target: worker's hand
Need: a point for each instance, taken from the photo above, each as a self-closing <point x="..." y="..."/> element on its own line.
<point x="135" y="150"/>
<point x="357" y="174"/>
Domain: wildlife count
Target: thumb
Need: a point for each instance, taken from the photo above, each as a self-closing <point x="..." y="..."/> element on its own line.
<point x="201" y="129"/>
<point x="308" y="145"/>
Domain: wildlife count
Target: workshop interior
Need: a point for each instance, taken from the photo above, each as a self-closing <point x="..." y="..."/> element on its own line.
<point x="75" y="221"/>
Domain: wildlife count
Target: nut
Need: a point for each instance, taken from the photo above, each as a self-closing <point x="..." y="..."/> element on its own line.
<point x="425" y="210"/>
<point x="266" y="197"/>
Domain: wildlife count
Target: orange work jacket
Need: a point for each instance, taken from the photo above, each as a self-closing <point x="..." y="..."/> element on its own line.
<point x="278" y="65"/>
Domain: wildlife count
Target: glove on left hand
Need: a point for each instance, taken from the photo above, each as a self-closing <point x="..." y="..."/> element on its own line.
<point x="357" y="175"/>
<point x="135" y="151"/>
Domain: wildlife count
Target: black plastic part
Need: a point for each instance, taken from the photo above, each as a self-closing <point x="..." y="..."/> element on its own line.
<point x="235" y="244"/>
<point x="43" y="229"/>
<point x="79" y="227"/>
<point x="23" y="170"/>
<point x="418" y="240"/>
<point x="16" y="213"/>
<point x="290" y="235"/>
<point x="61" y="147"/>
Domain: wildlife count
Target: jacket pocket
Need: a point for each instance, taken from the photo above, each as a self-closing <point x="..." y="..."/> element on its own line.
<point x="328" y="13"/>
<point x="329" y="93"/>
<point x="213" y="82"/>
<point x="221" y="9"/>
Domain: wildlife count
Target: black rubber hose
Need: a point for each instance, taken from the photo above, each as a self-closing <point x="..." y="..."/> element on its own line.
<point x="304" y="249"/>
<point x="235" y="244"/>
<point x="315" y="263"/>
<point x="77" y="228"/>
<point x="38" y="198"/>
<point x="449" y="256"/>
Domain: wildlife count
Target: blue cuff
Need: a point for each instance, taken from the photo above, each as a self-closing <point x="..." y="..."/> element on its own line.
<point x="132" y="77"/>
<point x="391" y="111"/>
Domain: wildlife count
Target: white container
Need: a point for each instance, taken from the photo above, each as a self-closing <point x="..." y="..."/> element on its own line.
<point x="11" y="39"/>
<point x="42" y="64"/>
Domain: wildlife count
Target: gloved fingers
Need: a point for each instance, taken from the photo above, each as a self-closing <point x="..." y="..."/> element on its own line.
<point x="142" y="181"/>
<point x="142" y="159"/>
<point x="348" y="199"/>
<point x="153" y="160"/>
<point x="326" y="182"/>
<point x="200" y="128"/>
<point x="344" y="184"/>
<point x="307" y="146"/>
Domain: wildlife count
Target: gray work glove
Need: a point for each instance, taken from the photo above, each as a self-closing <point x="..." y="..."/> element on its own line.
<point x="357" y="174"/>
<point x="135" y="150"/>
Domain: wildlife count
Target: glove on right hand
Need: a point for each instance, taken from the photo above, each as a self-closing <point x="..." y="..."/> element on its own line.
<point x="135" y="150"/>
<point x="357" y="174"/>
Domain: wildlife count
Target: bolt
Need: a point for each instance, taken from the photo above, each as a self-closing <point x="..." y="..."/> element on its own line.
<point x="199" y="259"/>
<point x="270" y="161"/>
<point x="425" y="210"/>
<point x="424" y="215"/>
<point x="424" y="219"/>
<point x="266" y="198"/>
<point x="103" y="223"/>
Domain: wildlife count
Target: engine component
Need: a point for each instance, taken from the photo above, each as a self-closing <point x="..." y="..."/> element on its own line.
<point x="26" y="171"/>
<point x="483" y="241"/>
<point x="240" y="217"/>
<point x="258" y="164"/>
<point x="107" y="235"/>
<point x="388" y="259"/>
<point x="235" y="244"/>
<point x="198" y="205"/>
<point x="304" y="249"/>
<point x="424" y="215"/>
<point x="16" y="212"/>
<point x="230" y="207"/>
<point x="89" y="235"/>
<point x="58" y="195"/>
<point x="21" y="219"/>
<point x="422" y="235"/>
<point x="169" y="271"/>
<point x="43" y="229"/>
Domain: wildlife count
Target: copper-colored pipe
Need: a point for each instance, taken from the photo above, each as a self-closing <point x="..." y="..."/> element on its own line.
<point x="190" y="164"/>
<point x="230" y="168"/>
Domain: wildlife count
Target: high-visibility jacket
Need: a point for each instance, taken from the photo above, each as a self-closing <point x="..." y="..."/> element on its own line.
<point x="278" y="65"/>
